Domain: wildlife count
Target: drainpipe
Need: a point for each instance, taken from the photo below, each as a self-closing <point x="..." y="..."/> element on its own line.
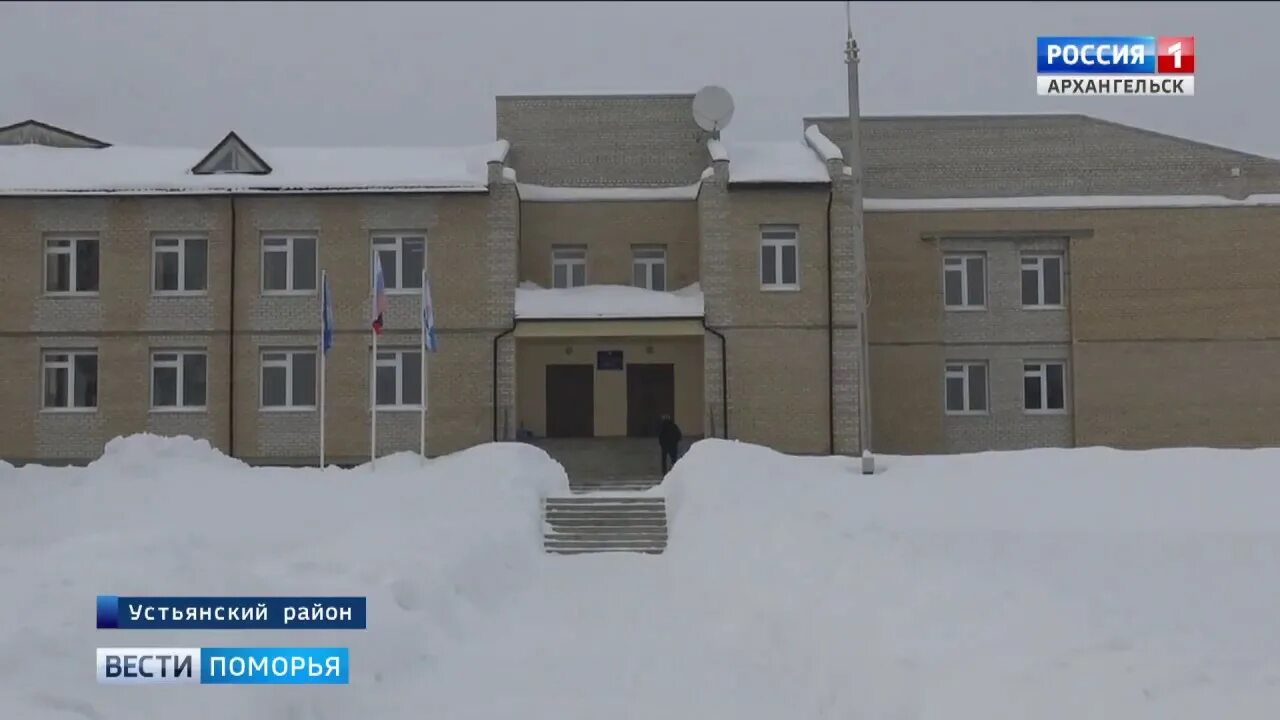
<point x="231" y="340"/>
<point x="724" y="376"/>
<point x="496" y="339"/>
<point x="831" y="345"/>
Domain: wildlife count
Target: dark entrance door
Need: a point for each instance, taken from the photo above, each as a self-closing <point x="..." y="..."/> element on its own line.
<point x="571" y="403"/>
<point x="651" y="393"/>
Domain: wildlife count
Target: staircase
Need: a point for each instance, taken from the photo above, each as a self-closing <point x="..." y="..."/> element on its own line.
<point x="577" y="525"/>
<point x="604" y="512"/>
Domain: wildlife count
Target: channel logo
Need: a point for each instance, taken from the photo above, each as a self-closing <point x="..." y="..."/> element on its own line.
<point x="223" y="666"/>
<point x="1116" y="65"/>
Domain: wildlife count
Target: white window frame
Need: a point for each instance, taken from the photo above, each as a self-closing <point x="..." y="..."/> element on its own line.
<point x="777" y="244"/>
<point x="178" y="364"/>
<point x="960" y="259"/>
<point x="181" y="251"/>
<point x="70" y="250"/>
<point x="652" y="259"/>
<point x="70" y="366"/>
<point x="394" y="240"/>
<point x="570" y="256"/>
<point x="287" y="364"/>
<point x="398" y="363"/>
<point x="960" y="369"/>
<point x="1034" y="260"/>
<point x="1041" y="373"/>
<point x="290" y="239"/>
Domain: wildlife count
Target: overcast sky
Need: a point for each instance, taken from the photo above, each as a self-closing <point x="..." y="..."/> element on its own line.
<point x="370" y="73"/>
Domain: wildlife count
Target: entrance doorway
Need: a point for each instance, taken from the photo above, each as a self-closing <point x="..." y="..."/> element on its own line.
<point x="651" y="393"/>
<point x="571" y="402"/>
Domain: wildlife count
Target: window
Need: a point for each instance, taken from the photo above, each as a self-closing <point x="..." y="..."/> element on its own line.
<point x="966" y="388"/>
<point x="71" y="379"/>
<point x="71" y="265"/>
<point x="403" y="257"/>
<point x="180" y="264"/>
<point x="1042" y="280"/>
<point x="288" y="264"/>
<point x="289" y="379"/>
<point x="568" y="266"/>
<point x="179" y="380"/>
<point x="778" y="248"/>
<point x="965" y="280"/>
<point x="398" y="379"/>
<point x="1044" y="387"/>
<point x="649" y="267"/>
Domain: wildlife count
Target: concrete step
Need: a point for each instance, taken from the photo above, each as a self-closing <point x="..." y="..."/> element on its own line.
<point x="593" y="551"/>
<point x="621" y="500"/>
<point x="609" y="523"/>
<point x="609" y="536"/>
<point x="600" y="545"/>
<point x="616" y="523"/>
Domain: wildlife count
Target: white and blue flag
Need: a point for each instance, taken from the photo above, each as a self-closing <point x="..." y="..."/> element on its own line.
<point x="428" y="317"/>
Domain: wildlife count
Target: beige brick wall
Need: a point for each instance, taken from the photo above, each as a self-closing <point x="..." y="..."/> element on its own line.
<point x="533" y="356"/>
<point x="125" y="321"/>
<point x="1221" y="393"/>
<point x="1158" y="275"/>
<point x="746" y="304"/>
<point x="778" y="381"/>
<point x="1183" y="273"/>
<point x="609" y="230"/>
<point x="460" y="376"/>
<point x="125" y="228"/>
<point x="19" y="395"/>
<point x="906" y="399"/>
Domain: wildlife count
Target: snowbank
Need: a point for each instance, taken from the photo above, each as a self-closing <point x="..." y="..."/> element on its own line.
<point x="1043" y="585"/>
<point x="606" y="302"/>
<point x="26" y="169"/>
<point x="435" y="547"/>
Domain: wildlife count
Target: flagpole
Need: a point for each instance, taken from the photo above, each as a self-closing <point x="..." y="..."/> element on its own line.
<point x="422" y="350"/>
<point x="373" y="402"/>
<point x="324" y="292"/>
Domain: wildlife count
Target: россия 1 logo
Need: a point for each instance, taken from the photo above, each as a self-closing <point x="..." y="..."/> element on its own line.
<point x="1116" y="65"/>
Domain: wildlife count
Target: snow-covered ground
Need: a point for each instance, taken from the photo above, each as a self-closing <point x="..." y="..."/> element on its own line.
<point x="1039" y="585"/>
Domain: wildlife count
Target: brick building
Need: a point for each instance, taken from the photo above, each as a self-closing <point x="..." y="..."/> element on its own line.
<point x="1034" y="281"/>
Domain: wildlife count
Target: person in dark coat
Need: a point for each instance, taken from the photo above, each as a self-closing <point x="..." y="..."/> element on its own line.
<point x="669" y="438"/>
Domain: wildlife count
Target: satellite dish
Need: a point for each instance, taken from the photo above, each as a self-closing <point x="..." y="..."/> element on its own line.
<point x="713" y="108"/>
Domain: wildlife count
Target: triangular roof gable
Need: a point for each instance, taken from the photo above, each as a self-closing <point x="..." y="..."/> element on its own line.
<point x="232" y="156"/>
<point x="34" y="132"/>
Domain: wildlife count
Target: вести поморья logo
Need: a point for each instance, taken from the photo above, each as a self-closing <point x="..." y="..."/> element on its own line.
<point x="1116" y="65"/>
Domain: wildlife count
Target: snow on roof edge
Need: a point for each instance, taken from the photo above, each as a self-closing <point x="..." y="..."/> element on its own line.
<point x="498" y="151"/>
<point x="157" y="191"/>
<point x="821" y="144"/>
<point x="1065" y="202"/>
<point x="545" y="193"/>
<point x="607" y="302"/>
<point x="717" y="150"/>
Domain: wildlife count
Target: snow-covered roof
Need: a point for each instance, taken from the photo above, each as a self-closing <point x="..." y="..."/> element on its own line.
<point x="1060" y="202"/>
<point x="35" y="169"/>
<point x="775" y="162"/>
<point x="545" y="193"/>
<point x="606" y="302"/>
